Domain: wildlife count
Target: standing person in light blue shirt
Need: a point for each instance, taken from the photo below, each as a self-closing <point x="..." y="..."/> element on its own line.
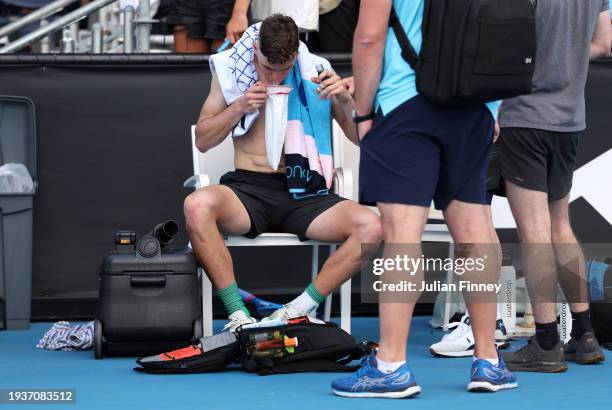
<point x="414" y="151"/>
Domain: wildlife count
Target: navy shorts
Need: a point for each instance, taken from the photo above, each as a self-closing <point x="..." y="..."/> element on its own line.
<point x="495" y="182"/>
<point x="422" y="151"/>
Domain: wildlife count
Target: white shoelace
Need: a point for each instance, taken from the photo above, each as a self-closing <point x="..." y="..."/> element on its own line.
<point x="461" y="328"/>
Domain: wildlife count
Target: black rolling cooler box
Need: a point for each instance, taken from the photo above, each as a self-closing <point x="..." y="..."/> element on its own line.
<point x="149" y="297"/>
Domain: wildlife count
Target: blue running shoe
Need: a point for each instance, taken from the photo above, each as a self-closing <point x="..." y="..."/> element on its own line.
<point x="368" y="381"/>
<point x="489" y="378"/>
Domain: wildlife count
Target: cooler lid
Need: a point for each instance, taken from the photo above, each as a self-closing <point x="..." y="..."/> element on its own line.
<point x="177" y="262"/>
<point x="18" y="132"/>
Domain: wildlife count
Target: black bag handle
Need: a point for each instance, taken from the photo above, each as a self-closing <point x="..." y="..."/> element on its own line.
<point x="408" y="52"/>
<point x="361" y="350"/>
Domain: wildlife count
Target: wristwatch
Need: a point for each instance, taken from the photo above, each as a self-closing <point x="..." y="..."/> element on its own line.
<point x="361" y="118"/>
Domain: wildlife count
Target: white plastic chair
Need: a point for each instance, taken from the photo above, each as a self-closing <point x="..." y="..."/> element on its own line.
<point x="208" y="168"/>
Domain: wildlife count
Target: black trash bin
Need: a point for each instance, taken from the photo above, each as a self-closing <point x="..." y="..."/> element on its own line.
<point x="18" y="145"/>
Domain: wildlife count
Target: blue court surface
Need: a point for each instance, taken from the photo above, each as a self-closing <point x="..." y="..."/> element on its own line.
<point x="112" y="384"/>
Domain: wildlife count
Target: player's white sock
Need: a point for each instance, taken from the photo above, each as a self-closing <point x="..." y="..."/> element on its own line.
<point x="494" y="362"/>
<point x="388" y="367"/>
<point x="303" y="304"/>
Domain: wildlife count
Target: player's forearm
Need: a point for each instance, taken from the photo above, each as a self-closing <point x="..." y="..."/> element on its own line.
<point x="368" y="52"/>
<point x="211" y="131"/>
<point x="344" y="117"/>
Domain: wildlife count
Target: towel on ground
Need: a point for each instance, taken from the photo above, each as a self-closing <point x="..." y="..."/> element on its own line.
<point x="64" y="336"/>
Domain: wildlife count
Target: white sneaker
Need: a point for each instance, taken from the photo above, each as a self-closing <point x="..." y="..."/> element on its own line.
<point x="460" y="342"/>
<point x="289" y="312"/>
<point x="237" y="319"/>
<point x="284" y="313"/>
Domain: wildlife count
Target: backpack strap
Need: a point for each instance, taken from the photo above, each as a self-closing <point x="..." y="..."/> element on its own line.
<point x="408" y="52"/>
<point x="361" y="350"/>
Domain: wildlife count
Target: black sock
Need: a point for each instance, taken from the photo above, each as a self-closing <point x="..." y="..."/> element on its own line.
<point x="581" y="323"/>
<point x="547" y="335"/>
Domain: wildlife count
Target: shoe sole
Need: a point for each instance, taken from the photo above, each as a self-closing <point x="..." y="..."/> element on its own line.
<point x="486" y="387"/>
<point x="588" y="358"/>
<point x="404" y="394"/>
<point x="466" y="353"/>
<point x="540" y="367"/>
<point x="463" y="353"/>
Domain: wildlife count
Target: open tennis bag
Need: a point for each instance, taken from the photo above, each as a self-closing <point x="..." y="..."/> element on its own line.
<point x="293" y="346"/>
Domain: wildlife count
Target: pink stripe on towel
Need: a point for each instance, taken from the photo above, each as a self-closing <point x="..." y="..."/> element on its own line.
<point x="298" y="143"/>
<point x="294" y="138"/>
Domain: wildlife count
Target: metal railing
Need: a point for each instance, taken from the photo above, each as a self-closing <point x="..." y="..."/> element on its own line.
<point x="143" y="26"/>
<point x="38" y="15"/>
<point x="136" y="29"/>
<point x="55" y="25"/>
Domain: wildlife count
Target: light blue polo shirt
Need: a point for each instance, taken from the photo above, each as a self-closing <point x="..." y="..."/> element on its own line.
<point x="398" y="83"/>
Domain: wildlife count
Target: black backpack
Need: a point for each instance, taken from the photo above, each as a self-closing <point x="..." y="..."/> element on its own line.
<point x="212" y="354"/>
<point x="321" y="348"/>
<point x="473" y="51"/>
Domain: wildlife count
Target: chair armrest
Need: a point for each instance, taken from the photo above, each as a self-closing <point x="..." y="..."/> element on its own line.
<point x="343" y="182"/>
<point x="197" y="181"/>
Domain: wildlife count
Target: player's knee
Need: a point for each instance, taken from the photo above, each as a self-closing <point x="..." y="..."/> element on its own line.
<point x="370" y="228"/>
<point x="199" y="210"/>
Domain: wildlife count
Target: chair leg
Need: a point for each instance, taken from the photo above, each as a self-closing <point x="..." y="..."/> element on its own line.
<point x="345" y="302"/>
<point x="207" y="313"/>
<point x="449" y="280"/>
<point x="345" y="306"/>
<point x="314" y="267"/>
<point x="328" y="299"/>
<point x="327" y="308"/>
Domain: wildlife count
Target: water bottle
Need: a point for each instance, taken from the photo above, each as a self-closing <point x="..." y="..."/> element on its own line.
<point x="507" y="294"/>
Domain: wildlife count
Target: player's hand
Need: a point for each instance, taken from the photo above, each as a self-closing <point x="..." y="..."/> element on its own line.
<point x="253" y="99"/>
<point x="349" y="83"/>
<point x="331" y="85"/>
